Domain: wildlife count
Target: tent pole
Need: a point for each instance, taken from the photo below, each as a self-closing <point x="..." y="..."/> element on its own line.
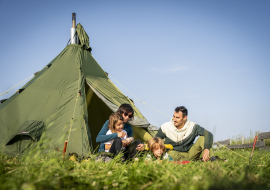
<point x="73" y="20"/>
<point x="73" y="36"/>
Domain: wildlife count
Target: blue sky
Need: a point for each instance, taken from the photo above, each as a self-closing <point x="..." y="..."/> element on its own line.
<point x="210" y="56"/>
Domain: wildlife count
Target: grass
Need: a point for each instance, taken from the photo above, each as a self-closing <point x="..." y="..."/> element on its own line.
<point x="267" y="142"/>
<point x="247" y="139"/>
<point x="52" y="172"/>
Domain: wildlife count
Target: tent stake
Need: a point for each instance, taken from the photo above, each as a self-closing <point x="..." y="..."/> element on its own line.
<point x="65" y="149"/>
<point x="254" y="144"/>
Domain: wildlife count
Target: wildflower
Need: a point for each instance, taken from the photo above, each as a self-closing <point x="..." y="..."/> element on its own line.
<point x="115" y="184"/>
<point x="28" y="186"/>
<point x="94" y="183"/>
<point x="110" y="173"/>
<point x="136" y="159"/>
<point x="139" y="171"/>
<point x="197" y="178"/>
<point x="105" y="187"/>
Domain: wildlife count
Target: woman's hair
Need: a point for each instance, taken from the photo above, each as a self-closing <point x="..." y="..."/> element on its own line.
<point x="126" y="109"/>
<point x="113" y="119"/>
<point x="155" y="142"/>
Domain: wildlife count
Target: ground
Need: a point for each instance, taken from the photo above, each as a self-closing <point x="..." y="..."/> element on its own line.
<point x="52" y="172"/>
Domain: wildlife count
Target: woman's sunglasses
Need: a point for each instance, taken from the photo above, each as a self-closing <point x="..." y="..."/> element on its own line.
<point x="130" y="116"/>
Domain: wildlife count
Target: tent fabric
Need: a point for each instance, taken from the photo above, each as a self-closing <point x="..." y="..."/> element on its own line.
<point x="31" y="81"/>
<point x="83" y="37"/>
<point x="69" y="99"/>
<point x="111" y="92"/>
<point x="2" y="101"/>
<point x="29" y="132"/>
<point x="34" y="129"/>
<point x="139" y="122"/>
<point x="112" y="106"/>
<point x="98" y="114"/>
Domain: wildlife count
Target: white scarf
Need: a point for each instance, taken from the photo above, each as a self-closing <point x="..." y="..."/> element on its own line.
<point x="178" y="135"/>
<point x="186" y="130"/>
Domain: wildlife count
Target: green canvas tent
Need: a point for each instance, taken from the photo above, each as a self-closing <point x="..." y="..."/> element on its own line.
<point x="69" y="99"/>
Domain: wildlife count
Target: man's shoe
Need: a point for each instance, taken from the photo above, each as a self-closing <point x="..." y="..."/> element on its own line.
<point x="213" y="158"/>
<point x="216" y="158"/>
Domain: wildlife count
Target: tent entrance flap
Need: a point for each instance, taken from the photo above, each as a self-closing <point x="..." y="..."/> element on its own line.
<point x="98" y="114"/>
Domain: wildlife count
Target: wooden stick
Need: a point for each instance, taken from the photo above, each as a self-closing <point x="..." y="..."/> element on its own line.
<point x="254" y="144"/>
<point x="243" y="141"/>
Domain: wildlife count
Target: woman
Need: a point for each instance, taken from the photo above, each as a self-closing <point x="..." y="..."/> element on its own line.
<point x="128" y="113"/>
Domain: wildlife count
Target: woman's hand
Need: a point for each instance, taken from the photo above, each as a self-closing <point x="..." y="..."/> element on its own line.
<point x="140" y="147"/>
<point x="121" y="134"/>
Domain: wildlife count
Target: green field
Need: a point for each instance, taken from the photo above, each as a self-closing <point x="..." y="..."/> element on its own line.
<point x="51" y="172"/>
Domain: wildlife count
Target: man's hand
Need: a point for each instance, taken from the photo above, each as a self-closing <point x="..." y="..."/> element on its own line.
<point x="121" y="134"/>
<point x="140" y="147"/>
<point x="206" y="155"/>
<point x="125" y="143"/>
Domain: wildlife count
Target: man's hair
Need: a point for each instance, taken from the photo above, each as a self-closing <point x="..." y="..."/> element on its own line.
<point x="125" y="108"/>
<point x="156" y="142"/>
<point x="113" y="119"/>
<point x="182" y="109"/>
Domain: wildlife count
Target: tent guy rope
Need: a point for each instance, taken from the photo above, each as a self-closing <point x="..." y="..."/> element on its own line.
<point x="138" y="98"/>
<point x="16" y="85"/>
<point x="233" y="151"/>
<point x="161" y="112"/>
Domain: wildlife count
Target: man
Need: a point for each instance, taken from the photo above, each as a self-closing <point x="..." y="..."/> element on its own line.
<point x="181" y="133"/>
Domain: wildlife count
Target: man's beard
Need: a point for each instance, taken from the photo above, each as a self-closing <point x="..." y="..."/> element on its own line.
<point x="178" y="124"/>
